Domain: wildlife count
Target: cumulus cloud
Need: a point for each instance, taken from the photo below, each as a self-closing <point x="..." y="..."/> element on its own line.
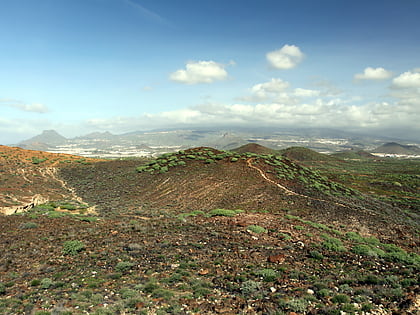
<point x="200" y="72"/>
<point x="286" y="57"/>
<point x="271" y="89"/>
<point x="407" y="80"/>
<point x="373" y="74"/>
<point x="34" y="108"/>
<point x="277" y="90"/>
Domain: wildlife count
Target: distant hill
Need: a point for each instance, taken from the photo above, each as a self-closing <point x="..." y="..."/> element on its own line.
<point x="304" y="154"/>
<point x="98" y="135"/>
<point x="354" y="155"/>
<point x="396" y="148"/>
<point x="47" y="139"/>
<point x="254" y="148"/>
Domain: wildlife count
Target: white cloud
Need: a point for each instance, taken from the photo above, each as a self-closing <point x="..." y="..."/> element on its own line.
<point x="334" y="113"/>
<point x="200" y="72"/>
<point x="407" y="80"/>
<point x="35" y="108"/>
<point x="272" y="88"/>
<point x="277" y="90"/>
<point x="286" y="57"/>
<point x="306" y="93"/>
<point x="373" y="74"/>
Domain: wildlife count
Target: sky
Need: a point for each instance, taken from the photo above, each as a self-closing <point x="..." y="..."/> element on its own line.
<point x="81" y="66"/>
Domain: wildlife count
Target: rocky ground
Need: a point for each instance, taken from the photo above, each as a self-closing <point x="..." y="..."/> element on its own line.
<point x="169" y="239"/>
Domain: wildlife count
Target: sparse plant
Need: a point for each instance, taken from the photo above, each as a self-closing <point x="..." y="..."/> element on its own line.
<point x="124" y="266"/>
<point x="340" y="299"/>
<point x="256" y="229"/>
<point x="250" y="287"/>
<point x="46" y="283"/>
<point x="28" y="225"/>
<point x="268" y="275"/>
<point x="332" y="244"/>
<point x="316" y="255"/>
<point x="224" y="212"/>
<point x="73" y="247"/>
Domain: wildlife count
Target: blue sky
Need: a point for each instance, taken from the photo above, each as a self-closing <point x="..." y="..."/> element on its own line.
<point x="79" y="66"/>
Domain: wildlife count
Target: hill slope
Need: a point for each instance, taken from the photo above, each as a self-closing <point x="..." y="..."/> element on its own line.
<point x="205" y="179"/>
<point x="29" y="178"/>
<point x="161" y="243"/>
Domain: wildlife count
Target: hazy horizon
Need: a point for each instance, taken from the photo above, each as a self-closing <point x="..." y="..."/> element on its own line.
<point x="125" y="65"/>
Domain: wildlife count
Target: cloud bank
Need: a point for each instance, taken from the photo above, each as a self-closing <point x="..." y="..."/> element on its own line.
<point x="278" y="104"/>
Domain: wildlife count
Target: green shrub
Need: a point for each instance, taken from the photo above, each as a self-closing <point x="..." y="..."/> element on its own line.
<point x="294" y="305"/>
<point x="250" y="287"/>
<point x="127" y="293"/>
<point x="256" y="229"/>
<point x="35" y="282"/>
<point x="73" y="247"/>
<point x="224" y="212"/>
<point x="28" y="225"/>
<point x="123" y="266"/>
<point x="161" y="293"/>
<point x="284" y="236"/>
<point x="332" y="244"/>
<point x="364" y="250"/>
<point x="268" y="275"/>
<point x="2" y="288"/>
<point x="316" y="255"/>
<point x="324" y="292"/>
<point x="46" y="283"/>
<point x="340" y="299"/>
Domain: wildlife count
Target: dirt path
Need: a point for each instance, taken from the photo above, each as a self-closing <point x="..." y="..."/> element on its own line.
<point x="51" y="172"/>
<point x="288" y="191"/>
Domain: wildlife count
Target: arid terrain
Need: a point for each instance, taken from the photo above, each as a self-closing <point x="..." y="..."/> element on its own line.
<point x="203" y="231"/>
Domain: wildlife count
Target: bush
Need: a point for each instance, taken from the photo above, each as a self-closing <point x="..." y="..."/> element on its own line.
<point x="73" y="247"/>
<point x="256" y="229"/>
<point x="364" y="250"/>
<point x="333" y="244"/>
<point x="340" y="299"/>
<point x="268" y="275"/>
<point x="46" y="283"/>
<point x="316" y="255"/>
<point x="28" y="225"/>
<point x="249" y="287"/>
<point x="224" y="212"/>
<point x="2" y="288"/>
<point x="123" y="266"/>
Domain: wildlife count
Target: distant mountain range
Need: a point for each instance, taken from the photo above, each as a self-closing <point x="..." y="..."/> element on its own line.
<point x="106" y="144"/>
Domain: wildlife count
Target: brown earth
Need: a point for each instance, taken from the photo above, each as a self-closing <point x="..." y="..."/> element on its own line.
<point x="148" y="250"/>
<point x="29" y="178"/>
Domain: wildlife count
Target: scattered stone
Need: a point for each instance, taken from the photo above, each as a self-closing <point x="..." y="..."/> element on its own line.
<point x="277" y="259"/>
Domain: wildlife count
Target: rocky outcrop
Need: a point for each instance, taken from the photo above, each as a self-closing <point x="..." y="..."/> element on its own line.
<point x="35" y="201"/>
